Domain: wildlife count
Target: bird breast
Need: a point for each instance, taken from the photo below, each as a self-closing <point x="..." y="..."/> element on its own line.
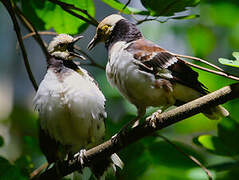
<point x="139" y="87"/>
<point x="71" y="109"/>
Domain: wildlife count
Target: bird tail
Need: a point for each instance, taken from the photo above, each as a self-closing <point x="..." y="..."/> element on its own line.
<point x="100" y="167"/>
<point x="216" y="112"/>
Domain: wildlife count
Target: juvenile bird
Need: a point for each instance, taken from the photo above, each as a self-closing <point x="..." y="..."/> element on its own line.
<point x="144" y="73"/>
<point x="71" y="107"/>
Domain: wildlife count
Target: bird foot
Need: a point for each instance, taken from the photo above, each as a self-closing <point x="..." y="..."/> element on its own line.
<point x="153" y="117"/>
<point x="80" y="156"/>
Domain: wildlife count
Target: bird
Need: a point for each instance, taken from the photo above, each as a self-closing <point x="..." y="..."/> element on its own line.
<point x="146" y="74"/>
<point x="71" y="108"/>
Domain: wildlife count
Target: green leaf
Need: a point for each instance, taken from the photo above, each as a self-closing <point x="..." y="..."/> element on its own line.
<point x="228" y="16"/>
<point x="46" y="15"/>
<point x="168" y="7"/>
<point x="233" y="63"/>
<point x="24" y="163"/>
<point x="191" y="16"/>
<point x="228" y="132"/>
<point x="9" y="171"/>
<point x="213" y="144"/>
<point x="224" y="166"/>
<point x="151" y="158"/>
<point x="31" y="146"/>
<point x="236" y="2"/>
<point x="159" y="152"/>
<point x="202" y="40"/>
<point x="128" y="10"/>
<point x="1" y="141"/>
<point x="236" y="55"/>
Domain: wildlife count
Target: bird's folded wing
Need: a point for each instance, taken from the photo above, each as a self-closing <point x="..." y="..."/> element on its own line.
<point x="153" y="59"/>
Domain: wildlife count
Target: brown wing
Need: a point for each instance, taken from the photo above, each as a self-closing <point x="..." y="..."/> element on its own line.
<point x="154" y="59"/>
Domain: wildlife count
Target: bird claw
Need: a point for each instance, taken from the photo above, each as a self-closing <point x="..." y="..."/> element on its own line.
<point x="151" y="119"/>
<point x="81" y="156"/>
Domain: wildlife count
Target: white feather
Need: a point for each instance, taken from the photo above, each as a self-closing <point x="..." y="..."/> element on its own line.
<point x="71" y="109"/>
<point x="137" y="86"/>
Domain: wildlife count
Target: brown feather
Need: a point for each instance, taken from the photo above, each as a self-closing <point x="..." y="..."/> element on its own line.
<point x="156" y="59"/>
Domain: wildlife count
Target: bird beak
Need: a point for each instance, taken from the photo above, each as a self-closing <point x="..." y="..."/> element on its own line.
<point x="76" y="39"/>
<point x="94" y="42"/>
<point x="75" y="54"/>
<point x="72" y="49"/>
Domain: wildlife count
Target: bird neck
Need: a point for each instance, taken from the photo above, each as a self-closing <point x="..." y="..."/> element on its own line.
<point x="123" y="31"/>
<point x="59" y="63"/>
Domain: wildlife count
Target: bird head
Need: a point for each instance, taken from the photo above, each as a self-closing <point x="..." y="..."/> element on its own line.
<point x="62" y="46"/>
<point x="104" y="29"/>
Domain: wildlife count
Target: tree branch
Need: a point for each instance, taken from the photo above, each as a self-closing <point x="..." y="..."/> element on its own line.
<point x="128" y="2"/>
<point x="220" y="73"/>
<point x="200" y="60"/>
<point x="11" y="12"/>
<point x="32" y="29"/>
<point x="40" y="33"/>
<point x="67" y="7"/>
<point x="212" y="71"/>
<point x="159" y="121"/>
<point x="157" y="18"/>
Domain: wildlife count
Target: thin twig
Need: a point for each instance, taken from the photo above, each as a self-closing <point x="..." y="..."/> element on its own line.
<point x="38" y="170"/>
<point x="212" y="71"/>
<point x="200" y="60"/>
<point x="156" y="19"/>
<point x="156" y="122"/>
<point x="151" y="19"/>
<point x="67" y="7"/>
<point x="32" y="29"/>
<point x="39" y="32"/>
<point x="71" y="6"/>
<point x="10" y="10"/>
<point x="128" y="2"/>
<point x="197" y="162"/>
<point x="92" y="62"/>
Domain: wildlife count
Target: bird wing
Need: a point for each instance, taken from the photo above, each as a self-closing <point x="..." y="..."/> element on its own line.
<point x="153" y="59"/>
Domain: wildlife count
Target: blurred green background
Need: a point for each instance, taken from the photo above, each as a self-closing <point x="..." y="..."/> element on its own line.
<point x="213" y="35"/>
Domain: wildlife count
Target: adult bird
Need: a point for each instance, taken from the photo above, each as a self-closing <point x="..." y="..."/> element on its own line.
<point x="71" y="107"/>
<point x="144" y="73"/>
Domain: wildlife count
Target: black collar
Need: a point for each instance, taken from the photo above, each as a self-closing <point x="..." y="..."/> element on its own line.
<point x="58" y="62"/>
<point x="123" y="31"/>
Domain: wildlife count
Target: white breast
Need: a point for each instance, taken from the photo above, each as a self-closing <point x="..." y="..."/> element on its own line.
<point x="71" y="109"/>
<point x="137" y="86"/>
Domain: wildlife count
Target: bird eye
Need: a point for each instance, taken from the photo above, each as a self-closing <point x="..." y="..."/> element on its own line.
<point x="105" y="28"/>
